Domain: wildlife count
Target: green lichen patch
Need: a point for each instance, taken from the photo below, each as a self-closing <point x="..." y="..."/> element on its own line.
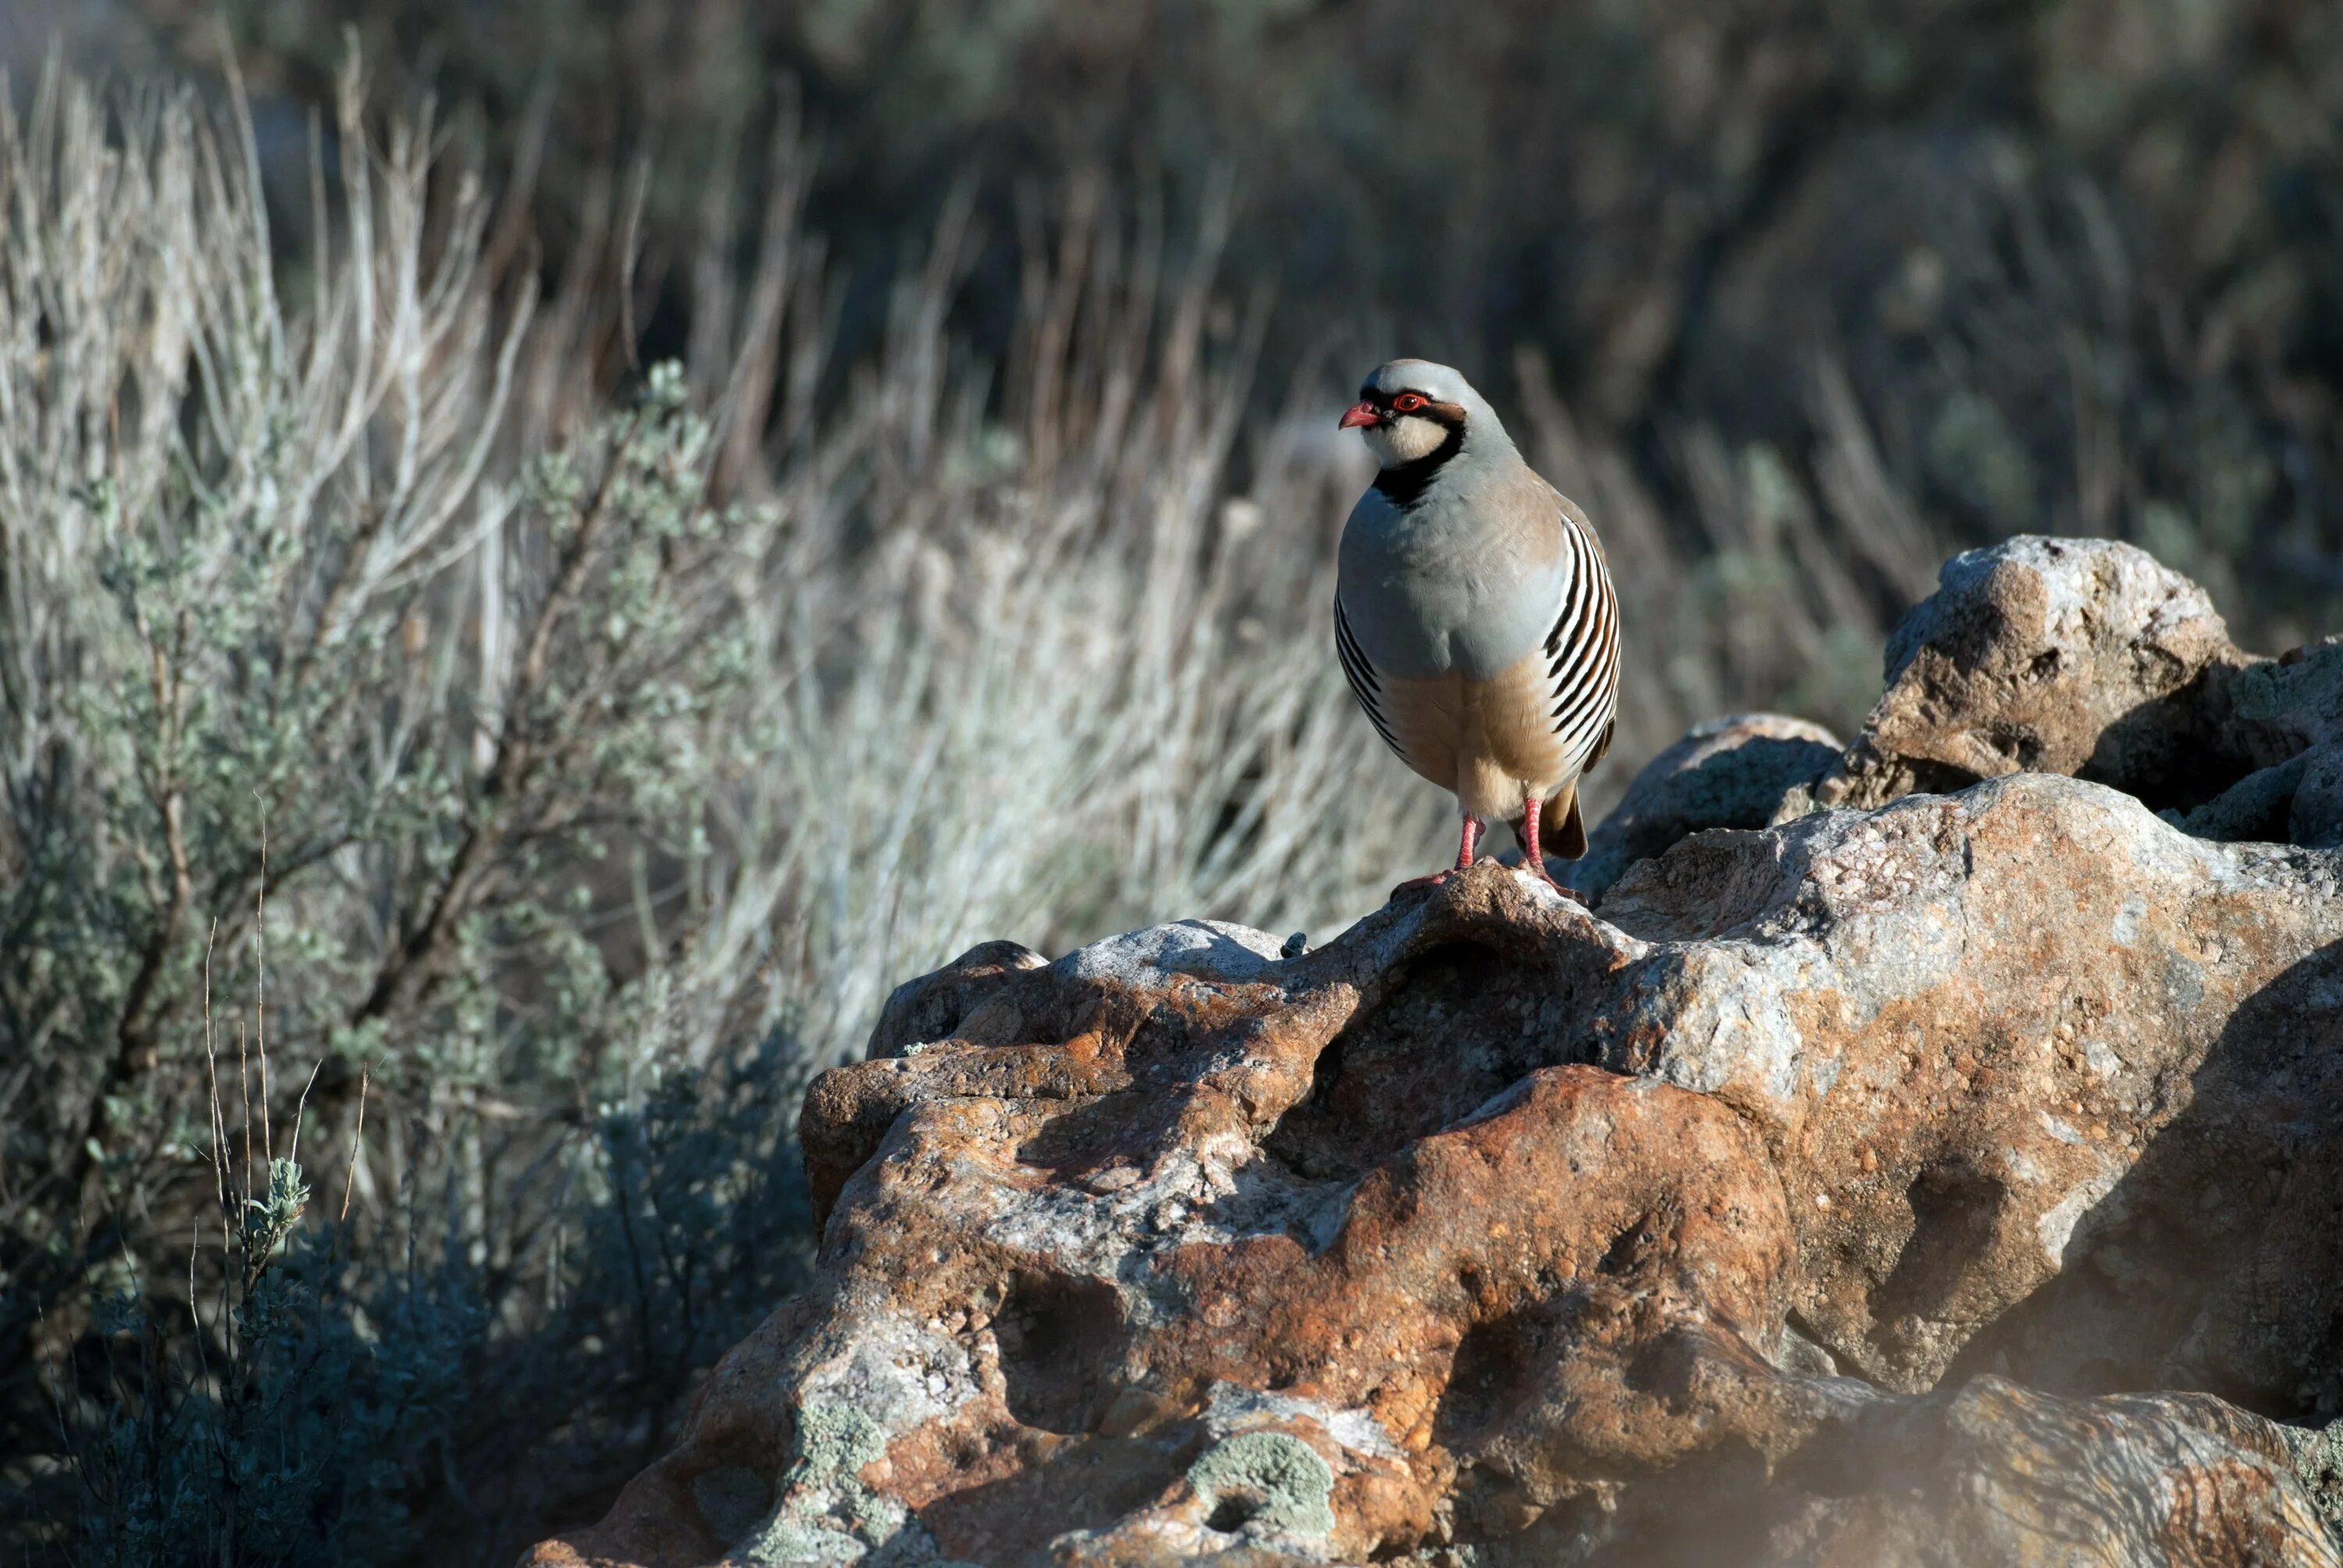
<point x="2319" y="1465"/>
<point x="827" y="1513"/>
<point x="1267" y="1478"/>
<point x="786" y="1540"/>
<point x="833" y="1439"/>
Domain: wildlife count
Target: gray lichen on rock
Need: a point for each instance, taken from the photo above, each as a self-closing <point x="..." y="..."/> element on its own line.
<point x="786" y="1541"/>
<point x="2317" y="1455"/>
<point x="827" y="1513"/>
<point x="1270" y="1479"/>
<point x="836" y="1439"/>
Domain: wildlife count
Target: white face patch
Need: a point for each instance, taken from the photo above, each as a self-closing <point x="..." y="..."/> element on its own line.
<point x="1404" y="439"/>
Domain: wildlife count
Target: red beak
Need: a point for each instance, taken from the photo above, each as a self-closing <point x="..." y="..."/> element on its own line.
<point x="1359" y="414"/>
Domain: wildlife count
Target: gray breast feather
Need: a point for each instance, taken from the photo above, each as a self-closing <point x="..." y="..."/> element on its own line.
<point x="1425" y="594"/>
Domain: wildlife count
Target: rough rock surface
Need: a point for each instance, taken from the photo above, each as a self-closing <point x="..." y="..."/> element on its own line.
<point x="2084" y="657"/>
<point x="1997" y="1473"/>
<point x="2081" y="656"/>
<point x="1949" y="1181"/>
<point x="1730" y="772"/>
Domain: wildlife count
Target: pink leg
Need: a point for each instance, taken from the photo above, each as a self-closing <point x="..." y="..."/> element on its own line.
<point x="1533" y="855"/>
<point x="1465" y="851"/>
<point x="1470" y="844"/>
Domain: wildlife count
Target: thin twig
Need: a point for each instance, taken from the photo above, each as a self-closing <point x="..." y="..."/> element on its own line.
<point x="211" y="1060"/>
<point x="357" y="1141"/>
<point x="299" y="1106"/>
<point x="260" y="983"/>
<point x="243" y="1071"/>
<point x="416" y="964"/>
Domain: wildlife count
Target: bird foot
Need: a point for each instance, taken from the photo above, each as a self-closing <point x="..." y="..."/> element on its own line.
<point x="1432" y="880"/>
<point x="1537" y="869"/>
<point x="1467" y="850"/>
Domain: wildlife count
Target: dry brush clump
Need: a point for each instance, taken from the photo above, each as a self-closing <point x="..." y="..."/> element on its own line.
<point x="563" y="756"/>
<point x="306" y="653"/>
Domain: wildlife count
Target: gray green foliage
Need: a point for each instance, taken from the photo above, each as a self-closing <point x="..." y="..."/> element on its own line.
<point x="511" y="785"/>
<point x="324" y="699"/>
<point x="2075" y="264"/>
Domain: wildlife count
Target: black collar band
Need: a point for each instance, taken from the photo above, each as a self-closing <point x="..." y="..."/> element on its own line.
<point x="1404" y="484"/>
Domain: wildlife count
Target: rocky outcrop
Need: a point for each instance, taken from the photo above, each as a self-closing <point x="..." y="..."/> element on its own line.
<point x="2084" y="657"/>
<point x="1995" y="1473"/>
<point x="2080" y="656"/>
<point x="1945" y="1181"/>
<point x="1737" y="772"/>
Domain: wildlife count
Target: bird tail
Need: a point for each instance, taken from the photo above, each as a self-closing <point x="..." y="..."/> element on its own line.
<point x="1570" y="833"/>
<point x="1562" y="827"/>
<point x="1570" y="823"/>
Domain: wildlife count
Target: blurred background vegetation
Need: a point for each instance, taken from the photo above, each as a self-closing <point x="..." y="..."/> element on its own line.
<point x="541" y="580"/>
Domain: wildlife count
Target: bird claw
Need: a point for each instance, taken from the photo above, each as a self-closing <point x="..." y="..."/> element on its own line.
<point x="1526" y="868"/>
<point x="1412" y="883"/>
<point x="1539" y="872"/>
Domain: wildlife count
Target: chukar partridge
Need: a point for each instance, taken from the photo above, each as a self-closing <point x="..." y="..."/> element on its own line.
<point x="1473" y="613"/>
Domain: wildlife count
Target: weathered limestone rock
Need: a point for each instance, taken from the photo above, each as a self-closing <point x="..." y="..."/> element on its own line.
<point x="947" y="1004"/>
<point x="2081" y="656"/>
<point x="2084" y="657"/>
<point x="2315" y="815"/>
<point x="2292" y="703"/>
<point x="2000" y="1474"/>
<point x="1949" y="1181"/>
<point x="1730" y="772"/>
<point x="1500" y="1210"/>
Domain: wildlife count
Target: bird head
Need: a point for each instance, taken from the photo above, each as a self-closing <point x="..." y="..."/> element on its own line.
<point x="1411" y="409"/>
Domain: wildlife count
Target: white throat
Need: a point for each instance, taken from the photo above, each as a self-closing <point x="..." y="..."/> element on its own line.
<point x="1404" y="439"/>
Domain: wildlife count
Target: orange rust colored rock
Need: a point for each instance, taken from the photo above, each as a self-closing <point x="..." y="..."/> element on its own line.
<point x="1501" y="1209"/>
<point x="1851" y="1191"/>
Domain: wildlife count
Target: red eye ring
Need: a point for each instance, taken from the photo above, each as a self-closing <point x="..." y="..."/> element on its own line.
<point x="1406" y="403"/>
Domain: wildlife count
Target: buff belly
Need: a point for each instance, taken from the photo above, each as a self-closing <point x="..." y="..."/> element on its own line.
<point x="1490" y="742"/>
